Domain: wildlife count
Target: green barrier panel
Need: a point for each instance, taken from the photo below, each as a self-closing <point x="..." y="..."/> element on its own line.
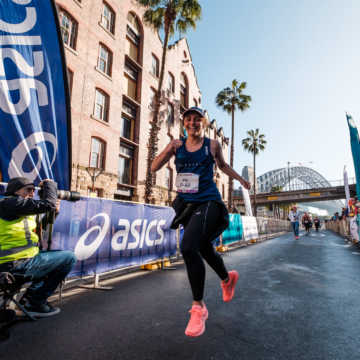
<point x="235" y="231"/>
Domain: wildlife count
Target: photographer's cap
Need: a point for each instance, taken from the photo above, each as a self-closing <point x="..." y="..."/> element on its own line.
<point x="195" y="110"/>
<point x="15" y="184"/>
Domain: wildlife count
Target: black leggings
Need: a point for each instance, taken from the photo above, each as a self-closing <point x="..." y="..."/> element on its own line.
<point x="197" y="245"/>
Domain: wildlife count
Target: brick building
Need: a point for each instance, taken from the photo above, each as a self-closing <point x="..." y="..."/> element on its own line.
<point x="113" y="68"/>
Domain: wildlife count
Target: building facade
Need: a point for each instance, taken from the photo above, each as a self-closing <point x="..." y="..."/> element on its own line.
<point x="113" y="70"/>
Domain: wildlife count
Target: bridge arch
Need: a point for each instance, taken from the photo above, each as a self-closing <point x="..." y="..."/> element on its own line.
<point x="280" y="177"/>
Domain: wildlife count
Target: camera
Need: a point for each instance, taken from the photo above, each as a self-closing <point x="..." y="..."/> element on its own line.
<point x="63" y="195"/>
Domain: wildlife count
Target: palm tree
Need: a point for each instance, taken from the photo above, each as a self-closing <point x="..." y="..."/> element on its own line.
<point x="254" y="144"/>
<point x="229" y="100"/>
<point x="169" y="15"/>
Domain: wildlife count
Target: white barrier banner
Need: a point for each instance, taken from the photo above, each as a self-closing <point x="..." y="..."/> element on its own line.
<point x="354" y="231"/>
<point x="247" y="201"/>
<point x="250" y="229"/>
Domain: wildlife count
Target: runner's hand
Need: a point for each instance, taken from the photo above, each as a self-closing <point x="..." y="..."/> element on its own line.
<point x="245" y="184"/>
<point x="175" y="144"/>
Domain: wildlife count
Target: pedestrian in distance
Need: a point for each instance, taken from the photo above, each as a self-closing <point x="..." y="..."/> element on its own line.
<point x="306" y="222"/>
<point x="294" y="217"/>
<point x="317" y="224"/>
<point x="199" y="208"/>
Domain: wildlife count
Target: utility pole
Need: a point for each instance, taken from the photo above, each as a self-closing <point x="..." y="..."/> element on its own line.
<point x="289" y="173"/>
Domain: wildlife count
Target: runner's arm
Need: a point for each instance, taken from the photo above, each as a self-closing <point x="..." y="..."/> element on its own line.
<point x="216" y="150"/>
<point x="165" y="155"/>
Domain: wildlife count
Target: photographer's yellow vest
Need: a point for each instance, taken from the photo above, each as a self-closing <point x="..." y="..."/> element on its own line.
<point x="17" y="239"/>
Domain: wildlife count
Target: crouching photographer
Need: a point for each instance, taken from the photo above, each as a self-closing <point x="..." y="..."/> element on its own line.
<point x="19" y="252"/>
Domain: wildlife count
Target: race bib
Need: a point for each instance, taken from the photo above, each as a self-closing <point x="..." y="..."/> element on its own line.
<point x="187" y="183"/>
<point x="306" y="221"/>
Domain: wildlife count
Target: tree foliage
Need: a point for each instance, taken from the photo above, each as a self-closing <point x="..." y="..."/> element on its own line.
<point x="229" y="100"/>
<point x="169" y="15"/>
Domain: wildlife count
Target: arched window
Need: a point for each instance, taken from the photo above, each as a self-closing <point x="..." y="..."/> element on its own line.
<point x="132" y="37"/>
<point x="183" y="90"/>
<point x="170" y="114"/>
<point x="195" y="104"/>
<point x="97" y="156"/>
<point x="68" y="29"/>
<point x="101" y="108"/>
<point x="108" y="18"/>
<point x="105" y="60"/>
<point x="171" y="83"/>
<point x="155" y="65"/>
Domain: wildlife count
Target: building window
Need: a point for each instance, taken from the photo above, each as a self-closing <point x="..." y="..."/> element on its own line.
<point x="170" y="113"/>
<point x="215" y="134"/>
<point x="105" y="60"/>
<point x="127" y="121"/>
<point x="132" y="37"/>
<point x="195" y="104"/>
<point x="101" y="105"/>
<point x="154" y="66"/>
<point x="68" y="29"/>
<point x="108" y="18"/>
<point x="171" y="83"/>
<point x="125" y="164"/>
<point x="129" y="110"/>
<point x="183" y="90"/>
<point x="97" y="153"/>
<point x="130" y="83"/>
<point x="127" y="128"/>
<point x="168" y="178"/>
<point x="223" y="191"/>
<point x="152" y="95"/>
<point x="70" y="75"/>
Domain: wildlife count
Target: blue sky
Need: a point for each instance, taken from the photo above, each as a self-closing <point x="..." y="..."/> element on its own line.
<point x="301" y="61"/>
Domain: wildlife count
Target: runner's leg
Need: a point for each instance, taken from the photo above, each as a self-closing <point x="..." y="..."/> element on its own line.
<point x="197" y="241"/>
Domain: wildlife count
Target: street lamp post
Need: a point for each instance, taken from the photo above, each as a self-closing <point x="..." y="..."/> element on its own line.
<point x="94" y="172"/>
<point x="289" y="173"/>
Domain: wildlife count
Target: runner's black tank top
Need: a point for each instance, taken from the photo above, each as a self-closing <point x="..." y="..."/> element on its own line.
<point x="200" y="162"/>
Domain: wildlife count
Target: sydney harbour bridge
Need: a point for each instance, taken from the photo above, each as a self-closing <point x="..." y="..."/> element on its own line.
<point x="299" y="178"/>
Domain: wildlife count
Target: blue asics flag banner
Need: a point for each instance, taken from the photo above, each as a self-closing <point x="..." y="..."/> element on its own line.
<point x="35" y="125"/>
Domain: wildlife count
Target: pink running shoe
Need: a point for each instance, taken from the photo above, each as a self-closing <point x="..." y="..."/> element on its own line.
<point x="196" y="326"/>
<point x="229" y="288"/>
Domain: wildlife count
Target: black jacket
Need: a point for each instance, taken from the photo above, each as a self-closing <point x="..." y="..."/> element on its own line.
<point x="184" y="210"/>
<point x="16" y="206"/>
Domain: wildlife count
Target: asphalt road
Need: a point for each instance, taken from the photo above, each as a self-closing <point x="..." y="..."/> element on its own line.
<point x="294" y="300"/>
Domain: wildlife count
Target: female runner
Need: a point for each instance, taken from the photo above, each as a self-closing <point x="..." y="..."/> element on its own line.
<point x="200" y="210"/>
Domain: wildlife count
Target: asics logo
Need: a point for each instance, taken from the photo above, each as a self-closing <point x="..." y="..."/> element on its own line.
<point x="139" y="229"/>
<point x="24" y="149"/>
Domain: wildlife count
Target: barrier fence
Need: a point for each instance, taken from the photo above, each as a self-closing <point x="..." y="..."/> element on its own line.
<point x="341" y="227"/>
<point x="111" y="235"/>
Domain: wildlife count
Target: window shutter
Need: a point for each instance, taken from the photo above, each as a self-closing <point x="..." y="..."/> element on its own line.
<point x="106" y="108"/>
<point x="112" y="23"/>
<point x="108" y="65"/>
<point x="73" y="34"/>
